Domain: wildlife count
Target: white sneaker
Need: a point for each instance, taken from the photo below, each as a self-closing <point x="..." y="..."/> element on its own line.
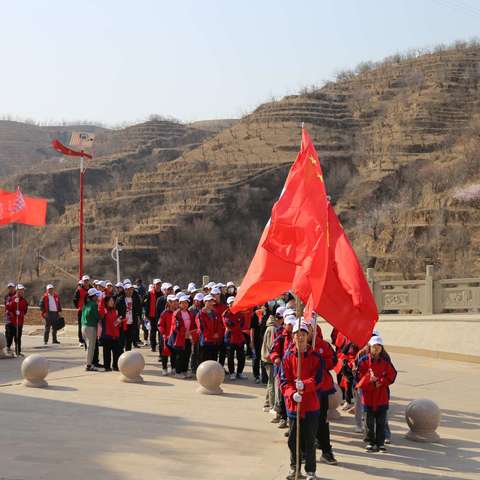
<point x="242" y="376"/>
<point x="272" y="411"/>
<point x="311" y="476"/>
<point x="165" y="373"/>
<point x="9" y="350"/>
<point x="266" y="409"/>
<point x="233" y="376"/>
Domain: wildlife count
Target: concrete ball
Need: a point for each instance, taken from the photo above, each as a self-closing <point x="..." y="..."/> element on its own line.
<point x="210" y="376"/>
<point x="423" y="418"/>
<point x="34" y="371"/>
<point x="131" y="365"/>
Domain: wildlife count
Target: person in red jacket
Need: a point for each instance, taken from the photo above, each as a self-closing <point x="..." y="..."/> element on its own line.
<point x="17" y="309"/>
<point x="110" y="334"/>
<point x="326" y="388"/>
<point x="211" y="329"/>
<point x="79" y="300"/>
<point x="164" y="327"/>
<point x="50" y="308"/>
<point x="234" y="340"/>
<point x="300" y="392"/>
<point x="376" y="373"/>
<point x="220" y="307"/>
<point x="183" y="334"/>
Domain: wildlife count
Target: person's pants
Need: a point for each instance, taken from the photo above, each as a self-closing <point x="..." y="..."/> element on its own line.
<point x="246" y="336"/>
<point x="165" y="358"/>
<point x="388" y="433"/>
<point x="182" y="357"/>
<point x="195" y="358"/>
<point x="347" y="373"/>
<point x="323" y="430"/>
<point x="153" y="333"/>
<point x="270" y="395"/>
<point x="256" y="363"/>
<point x="90" y="337"/>
<point x="222" y="354"/>
<point x="359" y="421"/>
<point x="79" y="320"/>
<point x="50" y="323"/>
<point x="145" y="329"/>
<point x="136" y="337"/>
<point x="263" y="371"/>
<point x="14" y="334"/>
<point x="210" y="352"/>
<point x="308" y="430"/>
<point x="111" y="347"/>
<point x="375" y="422"/>
<point x="240" y="351"/>
<point x="130" y="335"/>
<point x="280" y="406"/>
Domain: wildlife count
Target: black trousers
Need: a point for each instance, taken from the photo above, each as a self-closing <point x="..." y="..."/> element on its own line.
<point x="50" y="320"/>
<point x="164" y="359"/>
<point x="182" y="357"/>
<point x="209" y="352"/>
<point x="130" y="336"/>
<point x="308" y="430"/>
<point x="239" y="350"/>
<point x="222" y="354"/>
<point x="14" y="334"/>
<point x="323" y="430"/>
<point x="375" y="423"/>
<point x="79" y="320"/>
<point x="111" y="347"/>
<point x="154" y="333"/>
<point x="195" y="357"/>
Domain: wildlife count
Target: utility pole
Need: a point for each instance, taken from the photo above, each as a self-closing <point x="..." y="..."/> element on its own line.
<point x="115" y="254"/>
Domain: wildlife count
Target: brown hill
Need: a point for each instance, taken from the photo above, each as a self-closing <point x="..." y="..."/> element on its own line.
<point x="397" y="141"/>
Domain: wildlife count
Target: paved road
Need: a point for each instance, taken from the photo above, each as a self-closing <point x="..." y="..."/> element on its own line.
<point x="90" y="425"/>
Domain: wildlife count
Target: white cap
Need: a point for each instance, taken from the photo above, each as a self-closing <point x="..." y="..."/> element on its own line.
<point x="20" y="287"/>
<point x="208" y="298"/>
<point x="93" y="291"/>
<point x="375" y="333"/>
<point x="10" y="284"/>
<point x="289" y="311"/>
<point x="108" y="283"/>
<point x="85" y="277"/>
<point x="49" y="286"/>
<point x="199" y="297"/>
<point x="375" y="341"/>
<point x="176" y="287"/>
<point x="220" y="285"/>
<point x="102" y="283"/>
<point x="280" y="311"/>
<point x="156" y="280"/>
<point x="166" y="286"/>
<point x="210" y="284"/>
<point x="126" y="286"/>
<point x="95" y="282"/>
<point x="230" y="284"/>
<point x="178" y="295"/>
<point x="230" y="300"/>
<point x="171" y="298"/>
<point x="290" y="320"/>
<point x="127" y="280"/>
<point x="300" y="326"/>
<point x="215" y="291"/>
<point x="119" y="284"/>
<point x="184" y="298"/>
<point x="191" y="287"/>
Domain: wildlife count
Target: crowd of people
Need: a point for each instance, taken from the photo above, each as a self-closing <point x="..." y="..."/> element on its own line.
<point x="187" y="327"/>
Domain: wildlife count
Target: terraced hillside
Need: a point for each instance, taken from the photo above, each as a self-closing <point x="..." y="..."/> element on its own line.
<point x="398" y="141"/>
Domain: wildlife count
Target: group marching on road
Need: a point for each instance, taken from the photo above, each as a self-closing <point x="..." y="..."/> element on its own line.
<point x="187" y="327"/>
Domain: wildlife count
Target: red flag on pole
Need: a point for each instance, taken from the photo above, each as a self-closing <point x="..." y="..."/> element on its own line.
<point x="60" y="148"/>
<point x="18" y="208"/>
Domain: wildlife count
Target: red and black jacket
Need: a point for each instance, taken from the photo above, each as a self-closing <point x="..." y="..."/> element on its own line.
<point x="80" y="297"/>
<point x="44" y="304"/>
<point x="211" y="328"/>
<point x="178" y="332"/>
<point x="280" y="345"/>
<point x="110" y="331"/>
<point x="17" y="311"/>
<point x="233" y="323"/>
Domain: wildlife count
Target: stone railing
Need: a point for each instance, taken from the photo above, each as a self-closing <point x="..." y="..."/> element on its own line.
<point x="34" y="316"/>
<point x="427" y="296"/>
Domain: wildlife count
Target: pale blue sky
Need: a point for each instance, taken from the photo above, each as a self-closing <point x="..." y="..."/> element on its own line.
<point x="117" y="60"/>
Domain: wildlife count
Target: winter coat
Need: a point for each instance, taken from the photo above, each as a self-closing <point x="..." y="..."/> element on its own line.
<point x="233" y="323"/>
<point x="178" y="333"/>
<point x="44" y="304"/>
<point x="17" y="311"/>
<point x="211" y="328"/>
<point x="268" y="339"/>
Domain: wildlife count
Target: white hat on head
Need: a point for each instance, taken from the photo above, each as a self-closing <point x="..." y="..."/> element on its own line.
<point x="230" y="284"/>
<point x="215" y="291"/>
<point x="176" y="287"/>
<point x="184" y="298"/>
<point x="198" y="297"/>
<point x="126" y="286"/>
<point x="230" y="300"/>
<point x="20" y="287"/>
<point x="375" y="333"/>
<point x="10" y="284"/>
<point x="156" y="280"/>
<point x="375" y="341"/>
<point x="108" y="283"/>
<point x="208" y="298"/>
<point x="220" y="285"/>
<point x="171" y="298"/>
<point x="93" y="292"/>
<point x="210" y="284"/>
<point x="280" y="311"/>
<point x="102" y="283"/>
<point x="289" y="311"/>
<point x="290" y="320"/>
<point x="119" y="284"/>
<point x="85" y="277"/>
<point x="96" y="282"/>
<point x="166" y="286"/>
<point x="127" y="280"/>
<point x="191" y="287"/>
<point x="300" y="326"/>
<point x="178" y="295"/>
<point x="49" y="286"/>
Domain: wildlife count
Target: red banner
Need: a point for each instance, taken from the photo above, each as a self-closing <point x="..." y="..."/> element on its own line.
<point x="60" y="148"/>
<point x="18" y="208"/>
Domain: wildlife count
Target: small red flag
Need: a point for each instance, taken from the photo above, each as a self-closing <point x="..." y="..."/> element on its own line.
<point x="60" y="148"/>
<point x="18" y="208"/>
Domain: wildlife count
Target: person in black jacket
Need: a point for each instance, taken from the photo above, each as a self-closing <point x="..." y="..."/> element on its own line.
<point x="150" y="308"/>
<point x="129" y="310"/>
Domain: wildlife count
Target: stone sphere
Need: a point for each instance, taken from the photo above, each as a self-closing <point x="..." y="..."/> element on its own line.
<point x="131" y="365"/>
<point x="210" y="376"/>
<point x="34" y="371"/>
<point x="423" y="418"/>
<point x="3" y="341"/>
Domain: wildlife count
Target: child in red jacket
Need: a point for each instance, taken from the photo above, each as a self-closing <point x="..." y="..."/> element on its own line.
<point x="110" y="334"/>
<point x="164" y="328"/>
<point x="234" y="340"/>
<point x="376" y="373"/>
<point x="301" y="397"/>
<point x="17" y="309"/>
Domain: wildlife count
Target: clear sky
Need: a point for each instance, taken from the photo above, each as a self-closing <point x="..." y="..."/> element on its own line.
<point x="119" y="61"/>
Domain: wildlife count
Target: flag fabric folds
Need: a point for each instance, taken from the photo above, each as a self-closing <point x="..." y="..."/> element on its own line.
<point x="18" y="208"/>
<point x="60" y="148"/>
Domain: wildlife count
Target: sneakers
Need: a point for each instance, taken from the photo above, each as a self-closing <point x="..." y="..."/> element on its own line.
<point x="311" y="476"/>
<point x="328" y="458"/>
<point x="108" y="369"/>
<point x="358" y="430"/>
<point x="81" y="344"/>
<point x="233" y="376"/>
<point x="242" y="376"/>
<point x="272" y="411"/>
<point x="56" y="342"/>
<point x="275" y="419"/>
<point x="257" y="380"/>
<point x="291" y="475"/>
<point x="371" y="448"/>
<point x="91" y="368"/>
<point x="283" y="423"/>
<point x="382" y="448"/>
<point x="388" y="441"/>
<point x="266" y="409"/>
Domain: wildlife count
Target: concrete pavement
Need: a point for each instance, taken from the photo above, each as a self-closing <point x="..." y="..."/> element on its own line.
<point x="91" y="425"/>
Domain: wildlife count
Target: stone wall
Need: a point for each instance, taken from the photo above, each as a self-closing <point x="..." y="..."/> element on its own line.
<point x="34" y="317"/>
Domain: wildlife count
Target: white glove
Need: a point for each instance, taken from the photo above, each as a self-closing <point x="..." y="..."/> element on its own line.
<point x="17" y="300"/>
<point x="299" y="384"/>
<point x="297" y="397"/>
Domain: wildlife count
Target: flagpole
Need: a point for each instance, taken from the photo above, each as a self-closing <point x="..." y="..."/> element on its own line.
<point x="80" y="259"/>
<point x="299" y="308"/>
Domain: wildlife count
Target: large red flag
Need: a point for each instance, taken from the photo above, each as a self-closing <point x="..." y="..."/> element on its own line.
<point x="18" y="208"/>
